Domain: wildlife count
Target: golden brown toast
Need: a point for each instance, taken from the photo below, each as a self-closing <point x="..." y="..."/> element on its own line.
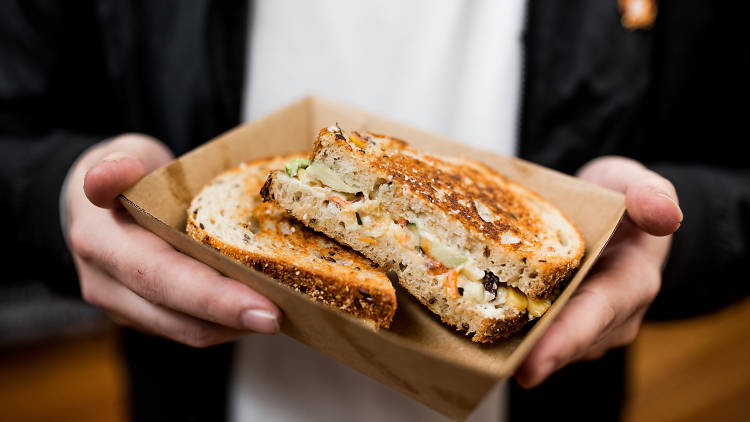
<point x="479" y="250"/>
<point x="229" y="216"/>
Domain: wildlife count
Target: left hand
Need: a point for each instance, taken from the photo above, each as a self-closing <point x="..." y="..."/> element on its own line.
<point x="607" y="309"/>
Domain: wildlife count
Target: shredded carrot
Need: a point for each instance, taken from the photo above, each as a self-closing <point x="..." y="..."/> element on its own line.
<point x="434" y="266"/>
<point x="357" y="140"/>
<point x="451" y="287"/>
<point x="341" y="201"/>
<point x="403" y="237"/>
<point x="367" y="240"/>
<point x="425" y="245"/>
<point x="401" y="221"/>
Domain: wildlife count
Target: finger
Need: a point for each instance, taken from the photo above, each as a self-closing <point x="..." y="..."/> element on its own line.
<point x="154" y="270"/>
<point x="622" y="335"/>
<point x="607" y="299"/>
<point x="588" y="315"/>
<point x="125" y="161"/>
<point x="650" y="199"/>
<point x="128" y="309"/>
<point x="651" y="209"/>
<point x="118" y="319"/>
<point x="110" y="177"/>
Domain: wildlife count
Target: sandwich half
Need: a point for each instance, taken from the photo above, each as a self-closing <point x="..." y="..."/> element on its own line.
<point x="480" y="251"/>
<point x="229" y="216"/>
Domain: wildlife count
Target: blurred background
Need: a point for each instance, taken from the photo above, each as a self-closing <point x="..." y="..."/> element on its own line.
<point x="59" y="361"/>
<point x="60" y="358"/>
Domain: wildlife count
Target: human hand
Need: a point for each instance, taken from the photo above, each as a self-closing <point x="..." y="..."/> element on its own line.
<point x="138" y="278"/>
<point x="607" y="309"/>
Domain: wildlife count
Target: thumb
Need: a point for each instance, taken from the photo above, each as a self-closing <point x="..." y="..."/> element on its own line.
<point x="125" y="160"/>
<point x="650" y="199"/>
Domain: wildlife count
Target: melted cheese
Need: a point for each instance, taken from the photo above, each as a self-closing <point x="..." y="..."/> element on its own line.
<point x="376" y="223"/>
<point x="537" y="307"/>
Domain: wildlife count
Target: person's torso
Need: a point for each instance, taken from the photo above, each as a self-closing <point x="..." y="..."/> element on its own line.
<point x="174" y="69"/>
<point x="451" y="68"/>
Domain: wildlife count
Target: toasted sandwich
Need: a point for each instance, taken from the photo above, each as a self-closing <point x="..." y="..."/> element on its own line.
<point x="480" y="251"/>
<point x="229" y="216"/>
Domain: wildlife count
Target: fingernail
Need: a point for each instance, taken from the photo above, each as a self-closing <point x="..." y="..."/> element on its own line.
<point x="260" y="321"/>
<point x="115" y="156"/>
<point x="664" y="195"/>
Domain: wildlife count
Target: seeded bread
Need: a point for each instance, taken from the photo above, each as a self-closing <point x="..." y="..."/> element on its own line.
<point x="444" y="225"/>
<point x="229" y="216"/>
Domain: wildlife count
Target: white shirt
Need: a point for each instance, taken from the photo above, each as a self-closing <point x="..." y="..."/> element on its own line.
<point x="451" y="67"/>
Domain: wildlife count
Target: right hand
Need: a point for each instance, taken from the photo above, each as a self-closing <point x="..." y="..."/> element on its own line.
<point x="138" y="278"/>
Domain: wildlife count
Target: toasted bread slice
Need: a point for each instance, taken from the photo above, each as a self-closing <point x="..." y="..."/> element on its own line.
<point x="477" y="249"/>
<point x="229" y="216"/>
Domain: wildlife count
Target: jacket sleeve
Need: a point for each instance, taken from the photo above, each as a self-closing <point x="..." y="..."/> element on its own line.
<point x="36" y="145"/>
<point x="706" y="268"/>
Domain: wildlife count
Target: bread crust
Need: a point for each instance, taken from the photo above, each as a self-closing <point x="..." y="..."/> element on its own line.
<point x="496" y="329"/>
<point x="458" y="188"/>
<point x="228" y="216"/>
<point x="489" y="329"/>
<point x="372" y="302"/>
<point x="459" y="202"/>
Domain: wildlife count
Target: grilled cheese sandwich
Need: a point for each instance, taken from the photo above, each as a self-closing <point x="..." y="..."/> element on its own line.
<point x="477" y="249"/>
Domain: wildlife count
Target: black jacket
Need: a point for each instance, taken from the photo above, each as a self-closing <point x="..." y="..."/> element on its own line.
<point x="74" y="73"/>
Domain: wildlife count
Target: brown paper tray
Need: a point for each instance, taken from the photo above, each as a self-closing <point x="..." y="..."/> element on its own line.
<point x="417" y="356"/>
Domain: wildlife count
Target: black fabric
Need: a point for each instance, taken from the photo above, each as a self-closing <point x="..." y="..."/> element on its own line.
<point x="72" y="74"/>
<point x="723" y="224"/>
<point x="582" y="391"/>
<point x="585" y="81"/>
<point x="41" y="130"/>
<point x="171" y="382"/>
<point x="667" y="97"/>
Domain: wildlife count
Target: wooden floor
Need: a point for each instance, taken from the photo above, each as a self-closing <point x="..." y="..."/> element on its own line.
<point x="73" y="380"/>
<point x="693" y="370"/>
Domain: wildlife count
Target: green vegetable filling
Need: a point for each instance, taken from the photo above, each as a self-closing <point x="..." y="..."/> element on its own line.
<point x="417" y="239"/>
<point x="293" y="166"/>
<point x="329" y="178"/>
<point x="429" y="245"/>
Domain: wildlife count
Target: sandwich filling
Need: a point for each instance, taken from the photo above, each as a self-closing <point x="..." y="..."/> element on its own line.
<point x="363" y="213"/>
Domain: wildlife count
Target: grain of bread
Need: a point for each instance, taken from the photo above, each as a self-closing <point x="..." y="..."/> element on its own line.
<point x="229" y="216"/>
<point x="479" y="250"/>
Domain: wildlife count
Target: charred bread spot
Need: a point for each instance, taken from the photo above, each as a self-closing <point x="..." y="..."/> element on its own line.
<point x="365" y="294"/>
<point x="265" y="190"/>
<point x="454" y="194"/>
